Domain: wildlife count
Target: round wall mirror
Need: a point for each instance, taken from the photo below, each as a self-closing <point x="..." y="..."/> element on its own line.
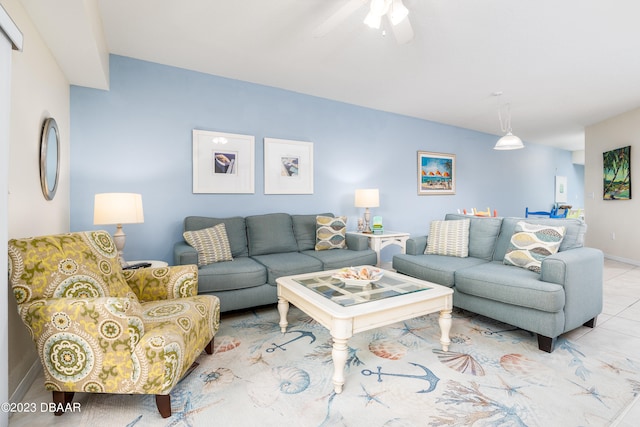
<point x="49" y="158"/>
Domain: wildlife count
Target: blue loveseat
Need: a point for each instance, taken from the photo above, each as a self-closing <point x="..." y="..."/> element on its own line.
<point x="566" y="294"/>
<point x="265" y="247"/>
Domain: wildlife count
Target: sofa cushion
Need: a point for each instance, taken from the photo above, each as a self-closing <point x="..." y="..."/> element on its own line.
<point x="235" y="227"/>
<point x="450" y="238"/>
<point x="211" y="243"/>
<point x="270" y="234"/>
<point x="241" y="273"/>
<point x="483" y="234"/>
<point x="438" y="269"/>
<point x="573" y="236"/>
<point x="304" y="230"/>
<point x="339" y="258"/>
<point x="330" y="232"/>
<point x="287" y="264"/>
<point x="531" y="243"/>
<point x="510" y="285"/>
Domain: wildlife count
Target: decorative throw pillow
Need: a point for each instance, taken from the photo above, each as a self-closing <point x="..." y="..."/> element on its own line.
<point x="211" y="243"/>
<point x="450" y="238"/>
<point x="531" y="243"/>
<point x="331" y="232"/>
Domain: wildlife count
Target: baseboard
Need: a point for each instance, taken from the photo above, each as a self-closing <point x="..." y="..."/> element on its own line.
<point x="24" y="386"/>
<point x="620" y="259"/>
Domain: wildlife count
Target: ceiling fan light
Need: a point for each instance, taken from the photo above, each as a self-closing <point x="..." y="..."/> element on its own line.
<point x="373" y="20"/>
<point x="509" y="142"/>
<point x="397" y="12"/>
<point x="379" y="7"/>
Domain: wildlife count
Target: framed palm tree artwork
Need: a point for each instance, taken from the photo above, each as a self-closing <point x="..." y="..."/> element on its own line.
<point x="616" y="174"/>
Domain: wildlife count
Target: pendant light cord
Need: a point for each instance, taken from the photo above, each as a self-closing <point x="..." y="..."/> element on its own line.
<point x="506" y="127"/>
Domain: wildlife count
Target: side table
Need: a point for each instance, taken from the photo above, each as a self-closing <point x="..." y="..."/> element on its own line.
<point x="154" y="263"/>
<point x="379" y="241"/>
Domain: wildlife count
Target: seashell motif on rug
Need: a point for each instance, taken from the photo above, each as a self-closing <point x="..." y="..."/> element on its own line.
<point x="388" y="349"/>
<point x="461" y="362"/>
<point x="277" y="381"/>
<point x="225" y="343"/>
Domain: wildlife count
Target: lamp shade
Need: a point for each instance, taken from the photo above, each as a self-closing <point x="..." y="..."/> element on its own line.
<point x="367" y="198"/>
<point x="509" y="142"/>
<point x="118" y="208"/>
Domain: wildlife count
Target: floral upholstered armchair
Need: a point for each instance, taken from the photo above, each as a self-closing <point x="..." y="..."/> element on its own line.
<point x="100" y="329"/>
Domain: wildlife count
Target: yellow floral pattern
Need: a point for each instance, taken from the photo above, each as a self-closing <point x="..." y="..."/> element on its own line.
<point x="98" y="329"/>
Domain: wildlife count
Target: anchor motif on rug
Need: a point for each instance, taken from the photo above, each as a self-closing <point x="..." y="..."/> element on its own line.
<point x="302" y="335"/>
<point x="429" y="376"/>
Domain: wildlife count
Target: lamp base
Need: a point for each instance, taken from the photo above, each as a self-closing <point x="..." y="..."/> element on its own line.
<point x="367" y="221"/>
<point x="119" y="238"/>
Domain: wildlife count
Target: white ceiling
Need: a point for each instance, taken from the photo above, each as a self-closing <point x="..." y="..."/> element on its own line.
<point x="562" y="65"/>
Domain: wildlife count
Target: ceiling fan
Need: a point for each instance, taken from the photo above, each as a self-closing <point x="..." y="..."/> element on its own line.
<point x="394" y="10"/>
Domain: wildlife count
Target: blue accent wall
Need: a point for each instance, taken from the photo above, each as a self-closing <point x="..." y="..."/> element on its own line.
<point x="137" y="137"/>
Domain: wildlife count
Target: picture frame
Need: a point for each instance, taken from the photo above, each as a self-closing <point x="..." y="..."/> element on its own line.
<point x="561" y="189"/>
<point x="223" y="162"/>
<point x="616" y="174"/>
<point x="436" y="173"/>
<point x="288" y="166"/>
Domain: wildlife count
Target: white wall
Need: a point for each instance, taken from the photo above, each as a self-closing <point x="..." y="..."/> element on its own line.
<point x="10" y="37"/>
<point x="39" y="89"/>
<point x="613" y="217"/>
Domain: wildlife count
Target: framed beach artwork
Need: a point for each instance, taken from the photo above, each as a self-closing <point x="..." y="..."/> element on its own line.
<point x="436" y="173"/>
<point x="616" y="174"/>
<point x="223" y="162"/>
<point x="288" y="166"/>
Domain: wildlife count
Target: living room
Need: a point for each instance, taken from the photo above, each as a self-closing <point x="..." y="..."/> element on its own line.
<point x="137" y="137"/>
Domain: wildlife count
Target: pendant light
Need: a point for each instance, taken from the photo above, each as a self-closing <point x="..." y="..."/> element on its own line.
<point x="394" y="9"/>
<point x="509" y="141"/>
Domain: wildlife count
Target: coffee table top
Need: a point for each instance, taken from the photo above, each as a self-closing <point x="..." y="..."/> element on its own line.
<point x="347" y="295"/>
<point x="320" y="295"/>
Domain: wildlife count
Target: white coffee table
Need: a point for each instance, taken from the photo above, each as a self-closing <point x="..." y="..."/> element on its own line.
<point x="346" y="310"/>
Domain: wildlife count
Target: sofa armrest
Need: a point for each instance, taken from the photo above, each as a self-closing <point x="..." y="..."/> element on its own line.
<point x="153" y="284"/>
<point x="356" y="242"/>
<point x="580" y="272"/>
<point x="184" y="254"/>
<point x="416" y="245"/>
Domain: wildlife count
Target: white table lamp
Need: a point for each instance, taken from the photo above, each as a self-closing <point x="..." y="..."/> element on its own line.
<point x="118" y="208"/>
<point x="367" y="198"/>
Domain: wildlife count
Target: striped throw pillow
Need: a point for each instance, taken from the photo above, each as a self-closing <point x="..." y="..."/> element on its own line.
<point x="211" y="243"/>
<point x="450" y="238"/>
<point x="531" y="243"/>
<point x="330" y="232"/>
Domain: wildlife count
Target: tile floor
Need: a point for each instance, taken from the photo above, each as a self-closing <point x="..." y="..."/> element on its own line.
<point x="618" y="326"/>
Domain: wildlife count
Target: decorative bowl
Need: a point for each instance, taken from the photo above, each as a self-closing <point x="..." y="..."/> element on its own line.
<point x="359" y="276"/>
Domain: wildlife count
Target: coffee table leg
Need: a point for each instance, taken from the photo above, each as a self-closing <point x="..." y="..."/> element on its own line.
<point x="445" y="327"/>
<point x="339" y="355"/>
<point x="283" y="309"/>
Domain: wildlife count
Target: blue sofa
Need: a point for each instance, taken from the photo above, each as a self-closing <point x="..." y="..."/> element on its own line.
<point x="265" y="247"/>
<point x="566" y="294"/>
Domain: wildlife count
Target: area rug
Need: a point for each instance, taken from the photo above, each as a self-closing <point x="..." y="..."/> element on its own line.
<point x="492" y="375"/>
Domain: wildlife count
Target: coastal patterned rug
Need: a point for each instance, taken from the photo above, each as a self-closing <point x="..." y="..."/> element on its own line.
<point x="396" y="376"/>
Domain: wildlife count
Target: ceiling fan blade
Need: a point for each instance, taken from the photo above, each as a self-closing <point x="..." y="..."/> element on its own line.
<point x="337" y="17"/>
<point x="403" y="31"/>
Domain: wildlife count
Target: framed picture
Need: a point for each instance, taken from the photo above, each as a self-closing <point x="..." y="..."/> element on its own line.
<point x="436" y="173"/>
<point x="561" y="189"/>
<point x="223" y="162"/>
<point x="288" y="167"/>
<point x="616" y="174"/>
